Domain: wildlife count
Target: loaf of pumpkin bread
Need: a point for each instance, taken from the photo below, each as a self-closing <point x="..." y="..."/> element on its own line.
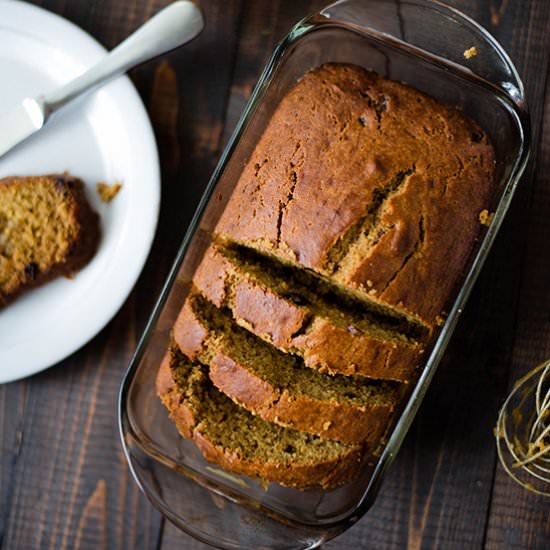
<point x="332" y="266"/>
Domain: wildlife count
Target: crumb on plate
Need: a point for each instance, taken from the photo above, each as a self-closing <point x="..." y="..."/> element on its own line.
<point x="108" y="192"/>
<point x="470" y="52"/>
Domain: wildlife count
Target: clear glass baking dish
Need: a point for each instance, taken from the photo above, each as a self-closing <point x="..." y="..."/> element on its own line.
<point x="421" y="43"/>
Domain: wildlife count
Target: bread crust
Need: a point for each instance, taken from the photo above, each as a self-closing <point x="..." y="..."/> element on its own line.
<point x="189" y="333"/>
<point x="348" y="351"/>
<point x="368" y="182"/>
<point x="325" y="474"/>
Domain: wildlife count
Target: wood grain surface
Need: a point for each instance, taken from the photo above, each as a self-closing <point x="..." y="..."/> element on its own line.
<point x="64" y="482"/>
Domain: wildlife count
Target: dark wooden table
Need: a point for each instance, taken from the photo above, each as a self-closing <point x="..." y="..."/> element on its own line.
<point x="64" y="482"/>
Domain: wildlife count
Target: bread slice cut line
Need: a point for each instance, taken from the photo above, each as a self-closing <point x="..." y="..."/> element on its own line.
<point x="326" y="340"/>
<point x="322" y="292"/>
<point x="277" y="386"/>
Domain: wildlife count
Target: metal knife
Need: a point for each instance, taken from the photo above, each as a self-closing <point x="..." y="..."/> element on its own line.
<point x="172" y="27"/>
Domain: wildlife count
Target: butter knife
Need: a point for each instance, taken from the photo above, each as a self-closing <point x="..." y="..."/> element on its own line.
<point x="172" y="27"/>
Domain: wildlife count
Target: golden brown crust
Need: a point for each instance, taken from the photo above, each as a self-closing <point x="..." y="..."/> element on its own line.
<point x="164" y="382"/>
<point x="342" y="421"/>
<point x="325" y="474"/>
<point x="370" y="182"/>
<point x="269" y="316"/>
<point x="211" y="276"/>
<point x="417" y="264"/>
<point x="348" y="351"/>
<point x="89" y="235"/>
<point x="86" y="235"/>
<point x="188" y="332"/>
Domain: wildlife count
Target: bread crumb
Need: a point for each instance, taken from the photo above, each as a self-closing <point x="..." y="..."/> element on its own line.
<point x="486" y="217"/>
<point x="470" y="52"/>
<point x="108" y="192"/>
<point x="439" y="321"/>
<point x="372" y="291"/>
<point x="327" y="425"/>
<point x="370" y="283"/>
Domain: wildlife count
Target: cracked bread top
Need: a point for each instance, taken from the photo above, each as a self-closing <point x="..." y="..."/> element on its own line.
<point x="370" y="184"/>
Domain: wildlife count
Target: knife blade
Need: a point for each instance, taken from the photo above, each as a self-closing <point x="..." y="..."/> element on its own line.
<point x="17" y="125"/>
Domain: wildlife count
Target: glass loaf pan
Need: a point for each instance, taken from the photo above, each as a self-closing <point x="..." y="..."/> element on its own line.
<point x="421" y="43"/>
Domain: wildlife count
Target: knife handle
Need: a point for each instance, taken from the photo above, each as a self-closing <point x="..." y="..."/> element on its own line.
<point x="172" y="27"/>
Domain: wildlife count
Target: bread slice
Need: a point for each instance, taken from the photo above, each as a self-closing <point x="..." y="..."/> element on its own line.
<point x="330" y="332"/>
<point x="47" y="229"/>
<point x="240" y="442"/>
<point x="276" y="386"/>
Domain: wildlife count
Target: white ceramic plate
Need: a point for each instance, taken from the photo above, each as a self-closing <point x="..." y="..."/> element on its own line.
<point x="103" y="137"/>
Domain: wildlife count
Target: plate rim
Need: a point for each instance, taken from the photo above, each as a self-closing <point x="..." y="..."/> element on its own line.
<point x="43" y="25"/>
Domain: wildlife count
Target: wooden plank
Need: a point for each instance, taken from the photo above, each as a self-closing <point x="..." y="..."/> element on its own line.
<point x="530" y="46"/>
<point x="263" y="25"/>
<point x="12" y="407"/>
<point x="65" y="483"/>
<point x="519" y="519"/>
<point x="70" y="476"/>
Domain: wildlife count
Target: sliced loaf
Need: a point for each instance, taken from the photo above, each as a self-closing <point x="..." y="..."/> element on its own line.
<point x="276" y="386"/>
<point x="240" y="442"/>
<point x="329" y="332"/>
<point x="341" y="246"/>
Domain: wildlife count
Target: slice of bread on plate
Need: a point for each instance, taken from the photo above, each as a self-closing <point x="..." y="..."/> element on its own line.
<point x="47" y="229"/>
